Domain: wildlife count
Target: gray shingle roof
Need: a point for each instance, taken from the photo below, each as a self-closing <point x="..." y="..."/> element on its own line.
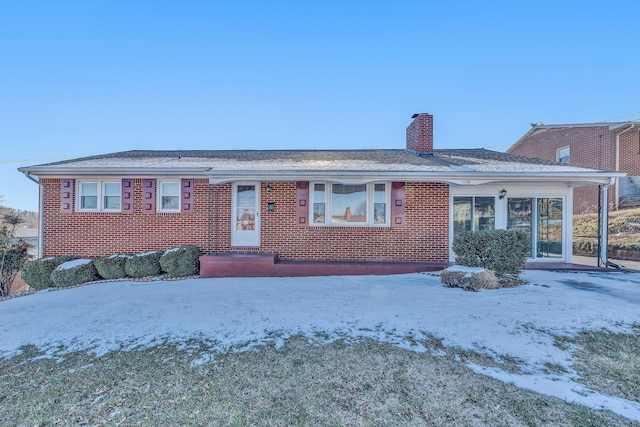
<point x="454" y="166"/>
<point x="454" y="160"/>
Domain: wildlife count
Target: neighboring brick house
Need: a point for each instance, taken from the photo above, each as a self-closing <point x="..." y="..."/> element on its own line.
<point x="394" y="205"/>
<point x="609" y="146"/>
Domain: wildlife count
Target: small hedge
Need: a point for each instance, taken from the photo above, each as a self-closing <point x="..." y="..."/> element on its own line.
<point x="504" y="252"/>
<point x="144" y="264"/>
<point x="469" y="278"/>
<point x="37" y="273"/>
<point x="72" y="273"/>
<point x="181" y="261"/>
<point x="112" y="267"/>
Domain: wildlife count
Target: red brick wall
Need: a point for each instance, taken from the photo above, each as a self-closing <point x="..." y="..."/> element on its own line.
<point x="425" y="237"/>
<point x="630" y="152"/>
<point x="93" y="234"/>
<point x="592" y="147"/>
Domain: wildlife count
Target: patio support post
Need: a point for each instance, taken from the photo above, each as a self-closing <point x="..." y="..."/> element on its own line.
<point x="209" y="219"/>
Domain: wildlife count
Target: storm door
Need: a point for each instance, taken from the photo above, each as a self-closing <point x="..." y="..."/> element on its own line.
<point x="245" y="218"/>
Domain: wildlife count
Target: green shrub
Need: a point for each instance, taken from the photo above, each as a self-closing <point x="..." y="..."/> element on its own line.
<point x="12" y="259"/>
<point x="181" y="261"/>
<point x="144" y="264"/>
<point x="112" y="267"/>
<point x="469" y="278"/>
<point x="37" y="273"/>
<point x="504" y="252"/>
<point x="73" y="273"/>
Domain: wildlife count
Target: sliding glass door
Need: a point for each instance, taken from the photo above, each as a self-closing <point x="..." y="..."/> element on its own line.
<point x="541" y="218"/>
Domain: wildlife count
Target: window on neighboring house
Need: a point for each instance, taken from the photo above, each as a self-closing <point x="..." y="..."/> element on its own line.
<point x="169" y="196"/>
<point x="350" y="204"/>
<point x="473" y="213"/>
<point x="99" y="195"/>
<point x="562" y="154"/>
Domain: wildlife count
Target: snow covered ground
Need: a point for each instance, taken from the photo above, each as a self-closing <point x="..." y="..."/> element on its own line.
<point x="241" y="312"/>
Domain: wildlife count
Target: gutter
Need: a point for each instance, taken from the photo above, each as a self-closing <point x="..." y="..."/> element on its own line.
<point x="40" y="213"/>
<point x="618" y="162"/>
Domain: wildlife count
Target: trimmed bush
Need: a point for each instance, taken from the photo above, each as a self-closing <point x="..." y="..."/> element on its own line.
<point x="144" y="264"/>
<point x="112" y="267"/>
<point x="504" y="252"/>
<point x="469" y="278"/>
<point x="37" y="273"/>
<point x="75" y="272"/>
<point x="181" y="261"/>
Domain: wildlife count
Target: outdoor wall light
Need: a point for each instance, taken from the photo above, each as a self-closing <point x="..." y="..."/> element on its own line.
<point x="271" y="207"/>
<point x="503" y="193"/>
<point x="268" y="187"/>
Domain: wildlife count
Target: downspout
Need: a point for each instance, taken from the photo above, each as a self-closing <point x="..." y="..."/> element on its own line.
<point x="40" y="213"/>
<point x="618" y="162"/>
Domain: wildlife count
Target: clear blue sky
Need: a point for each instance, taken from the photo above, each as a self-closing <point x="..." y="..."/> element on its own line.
<point x="86" y="77"/>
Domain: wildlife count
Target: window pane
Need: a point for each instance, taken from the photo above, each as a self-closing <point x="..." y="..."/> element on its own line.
<point x="484" y="214"/>
<point x="319" y="201"/>
<point x="379" y="204"/>
<point x="549" y="228"/>
<point x="111" y="198"/>
<point x="318" y="213"/>
<point x="348" y="203"/>
<point x="89" y="195"/>
<point x="89" y="188"/>
<point x="519" y="214"/>
<point x="246" y="208"/>
<point x="462" y="214"/>
<point x="89" y="202"/>
<point x="112" y="188"/>
<point x="112" y="202"/>
<point x="318" y="193"/>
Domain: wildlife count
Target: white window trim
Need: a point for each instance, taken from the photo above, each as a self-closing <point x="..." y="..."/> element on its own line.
<point x="559" y="151"/>
<point x="159" y="196"/>
<point x="101" y="192"/>
<point x="370" y="194"/>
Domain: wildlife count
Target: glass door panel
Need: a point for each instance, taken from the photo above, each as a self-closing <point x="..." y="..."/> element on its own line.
<point x="549" y="222"/>
<point x="245" y="227"/>
<point x="520" y="214"/>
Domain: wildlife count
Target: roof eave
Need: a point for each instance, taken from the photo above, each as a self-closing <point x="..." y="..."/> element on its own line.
<point x="453" y="177"/>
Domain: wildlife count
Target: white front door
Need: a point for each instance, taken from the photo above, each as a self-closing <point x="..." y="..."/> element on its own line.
<point x="245" y="215"/>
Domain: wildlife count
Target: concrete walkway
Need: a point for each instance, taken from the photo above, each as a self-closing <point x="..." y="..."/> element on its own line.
<point x="593" y="261"/>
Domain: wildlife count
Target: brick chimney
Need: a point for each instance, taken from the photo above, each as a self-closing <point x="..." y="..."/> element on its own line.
<point x="420" y="134"/>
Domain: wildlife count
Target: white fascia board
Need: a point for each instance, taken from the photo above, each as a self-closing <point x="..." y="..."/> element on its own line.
<point x="573" y="178"/>
<point x="49" y="172"/>
<point x="456" y="178"/>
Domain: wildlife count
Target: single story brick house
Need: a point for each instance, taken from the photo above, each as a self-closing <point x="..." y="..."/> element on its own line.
<point x="395" y="206"/>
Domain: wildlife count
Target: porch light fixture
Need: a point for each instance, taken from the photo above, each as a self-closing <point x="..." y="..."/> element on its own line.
<point x="503" y="193"/>
<point x="268" y="187"/>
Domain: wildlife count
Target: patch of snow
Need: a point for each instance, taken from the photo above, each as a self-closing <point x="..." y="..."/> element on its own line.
<point x="173" y="250"/>
<point x="72" y="264"/>
<point x="240" y="313"/>
<point x="147" y="253"/>
<point x="118" y="256"/>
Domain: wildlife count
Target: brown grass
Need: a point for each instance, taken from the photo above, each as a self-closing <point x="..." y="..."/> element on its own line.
<point x="359" y="384"/>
